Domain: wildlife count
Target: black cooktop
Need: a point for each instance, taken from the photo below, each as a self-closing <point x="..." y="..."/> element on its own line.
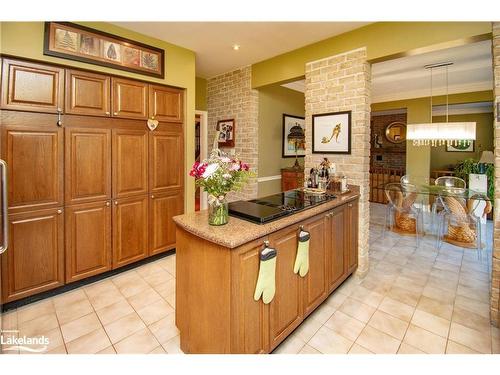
<point x="272" y="207"/>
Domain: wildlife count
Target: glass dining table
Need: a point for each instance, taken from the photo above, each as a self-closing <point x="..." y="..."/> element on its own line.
<point x="455" y="212"/>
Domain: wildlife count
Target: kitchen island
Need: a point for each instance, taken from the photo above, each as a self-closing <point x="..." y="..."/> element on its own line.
<point x="217" y="270"/>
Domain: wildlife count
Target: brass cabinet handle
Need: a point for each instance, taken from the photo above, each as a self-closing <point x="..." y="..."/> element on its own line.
<point x="59" y="212"/>
<point x="116" y="203"/>
<point x="350" y="204"/>
<point x="107" y="112"/>
<point x="116" y="113"/>
<point x="152" y="196"/>
<point x="108" y="204"/>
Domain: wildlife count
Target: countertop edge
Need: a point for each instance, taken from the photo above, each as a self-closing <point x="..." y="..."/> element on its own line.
<point x="213" y="234"/>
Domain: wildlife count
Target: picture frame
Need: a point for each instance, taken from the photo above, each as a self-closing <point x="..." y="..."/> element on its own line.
<point x="460" y="148"/>
<point x="70" y="41"/>
<point x="288" y="148"/>
<point x="227" y="133"/>
<point x="331" y="133"/>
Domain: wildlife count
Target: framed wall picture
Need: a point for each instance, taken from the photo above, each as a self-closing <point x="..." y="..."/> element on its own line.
<point x="287" y="145"/>
<point x="462" y="147"/>
<point x="75" y="42"/>
<point x="227" y="132"/>
<point x="331" y="133"/>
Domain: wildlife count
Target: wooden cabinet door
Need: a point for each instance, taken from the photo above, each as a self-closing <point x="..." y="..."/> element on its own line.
<point x="34" y="261"/>
<point x="166" y="161"/>
<point x="250" y="318"/>
<point x="130" y="162"/>
<point x="130" y="230"/>
<point x="162" y="208"/>
<point x="87" y="93"/>
<point x="352" y="217"/>
<point x="316" y="280"/>
<point x="286" y="307"/>
<point x="165" y="103"/>
<point x="34" y="156"/>
<point x="88" y="240"/>
<point x="32" y="87"/>
<point x="129" y="98"/>
<point x="336" y="238"/>
<point x="88" y="165"/>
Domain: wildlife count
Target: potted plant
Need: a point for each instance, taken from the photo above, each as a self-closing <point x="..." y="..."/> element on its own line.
<point x="219" y="175"/>
<point x="468" y="166"/>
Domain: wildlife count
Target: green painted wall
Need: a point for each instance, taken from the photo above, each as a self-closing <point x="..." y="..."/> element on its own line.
<point x="418" y="159"/>
<point x="25" y="39"/>
<point x="440" y="158"/>
<point x="273" y="102"/>
<point x="201" y="94"/>
<point x="381" y="39"/>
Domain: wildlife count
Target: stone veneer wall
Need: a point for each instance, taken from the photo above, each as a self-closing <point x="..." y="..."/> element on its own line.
<point x="495" y="282"/>
<point x="342" y="83"/>
<point x="230" y="96"/>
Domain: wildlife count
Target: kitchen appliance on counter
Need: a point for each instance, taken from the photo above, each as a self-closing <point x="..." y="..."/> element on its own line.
<point x="266" y="209"/>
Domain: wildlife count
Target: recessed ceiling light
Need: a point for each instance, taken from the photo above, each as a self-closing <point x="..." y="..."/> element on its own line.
<point x="236" y="47"/>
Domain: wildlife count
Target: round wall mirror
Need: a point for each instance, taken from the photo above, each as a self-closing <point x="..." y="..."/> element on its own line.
<point x="395" y="132"/>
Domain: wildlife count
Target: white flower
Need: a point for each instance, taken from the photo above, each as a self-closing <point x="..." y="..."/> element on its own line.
<point x="225" y="159"/>
<point x="210" y="170"/>
<point x="226" y="175"/>
<point x="235" y="166"/>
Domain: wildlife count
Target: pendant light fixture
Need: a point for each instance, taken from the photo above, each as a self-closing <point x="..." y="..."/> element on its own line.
<point x="458" y="134"/>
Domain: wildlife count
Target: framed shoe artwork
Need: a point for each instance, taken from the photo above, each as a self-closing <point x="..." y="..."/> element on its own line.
<point x="80" y="43"/>
<point x="331" y="133"/>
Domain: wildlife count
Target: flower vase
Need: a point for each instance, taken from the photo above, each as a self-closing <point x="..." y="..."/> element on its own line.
<point x="218" y="213"/>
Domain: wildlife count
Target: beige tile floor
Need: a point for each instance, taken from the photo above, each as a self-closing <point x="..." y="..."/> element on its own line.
<point x="413" y="300"/>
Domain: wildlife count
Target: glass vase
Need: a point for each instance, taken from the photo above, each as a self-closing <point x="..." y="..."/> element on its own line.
<point x="218" y="213"/>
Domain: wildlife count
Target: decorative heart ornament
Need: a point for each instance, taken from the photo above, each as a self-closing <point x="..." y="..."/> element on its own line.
<point x="152" y="124"/>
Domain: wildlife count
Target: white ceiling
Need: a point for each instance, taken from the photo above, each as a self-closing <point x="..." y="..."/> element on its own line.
<point x="406" y="77"/>
<point x="213" y="41"/>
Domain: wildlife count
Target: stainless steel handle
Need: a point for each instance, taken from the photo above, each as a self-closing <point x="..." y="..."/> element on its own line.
<point x="5" y="217"/>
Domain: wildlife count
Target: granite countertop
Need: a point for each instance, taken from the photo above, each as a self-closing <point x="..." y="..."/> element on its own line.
<point x="238" y="232"/>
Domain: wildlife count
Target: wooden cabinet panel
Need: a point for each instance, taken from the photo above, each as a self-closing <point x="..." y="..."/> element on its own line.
<point x="32" y="87"/>
<point x="88" y="165"/>
<point x="166" y="161"/>
<point x="337" y="246"/>
<point x="130" y="230"/>
<point x="250" y="317"/>
<point x="162" y="208"/>
<point x="315" y="282"/>
<point x="286" y="307"/>
<point x="34" y="261"/>
<point x="352" y="225"/>
<point x="88" y="240"/>
<point x="130" y="162"/>
<point x="34" y="156"/>
<point x="165" y="103"/>
<point x="129" y="98"/>
<point x="87" y="93"/>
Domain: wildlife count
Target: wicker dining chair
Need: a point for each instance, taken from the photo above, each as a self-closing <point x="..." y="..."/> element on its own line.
<point x="452" y="184"/>
<point x="458" y="223"/>
<point x="403" y="214"/>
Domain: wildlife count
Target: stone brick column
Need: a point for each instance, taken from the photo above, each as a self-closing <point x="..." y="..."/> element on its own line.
<point x="495" y="282"/>
<point x="342" y="83"/>
<point x="230" y="96"/>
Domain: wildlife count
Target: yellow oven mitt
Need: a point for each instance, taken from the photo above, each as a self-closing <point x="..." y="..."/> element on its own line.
<point x="266" y="283"/>
<point x="302" y="259"/>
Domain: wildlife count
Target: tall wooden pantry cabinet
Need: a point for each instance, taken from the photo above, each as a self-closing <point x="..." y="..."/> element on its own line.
<point x="90" y="187"/>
